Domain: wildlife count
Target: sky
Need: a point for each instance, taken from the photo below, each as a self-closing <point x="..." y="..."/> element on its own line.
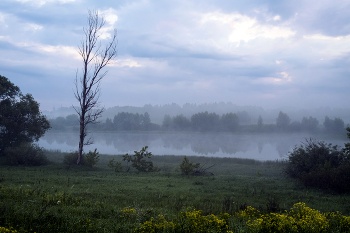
<point x="267" y="53"/>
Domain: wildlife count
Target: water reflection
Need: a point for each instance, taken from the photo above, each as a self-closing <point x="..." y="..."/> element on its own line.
<point x="255" y="146"/>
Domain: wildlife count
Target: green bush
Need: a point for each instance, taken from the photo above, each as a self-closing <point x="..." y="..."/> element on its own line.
<point x="187" y="167"/>
<point x="26" y="154"/>
<point x="71" y="158"/>
<point x="91" y="158"/>
<point x="346" y="149"/>
<point x="321" y="165"/>
<point x="139" y="162"/>
<point x="117" y="166"/>
<point x="88" y="159"/>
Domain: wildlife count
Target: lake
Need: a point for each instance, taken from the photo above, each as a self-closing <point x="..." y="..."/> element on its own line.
<point x="265" y="146"/>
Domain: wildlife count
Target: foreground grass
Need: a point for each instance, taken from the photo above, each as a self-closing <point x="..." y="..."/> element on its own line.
<point x="59" y="198"/>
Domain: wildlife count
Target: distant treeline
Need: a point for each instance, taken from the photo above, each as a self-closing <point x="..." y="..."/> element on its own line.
<point x="157" y="112"/>
<point x="202" y="122"/>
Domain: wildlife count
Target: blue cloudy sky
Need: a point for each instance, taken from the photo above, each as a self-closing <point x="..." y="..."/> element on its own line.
<point x="265" y="53"/>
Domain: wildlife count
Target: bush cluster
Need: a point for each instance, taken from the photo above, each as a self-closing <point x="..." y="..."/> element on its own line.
<point x="299" y="219"/>
<point x="187" y="167"/>
<point x="89" y="159"/>
<point x="190" y="221"/>
<point x="139" y="160"/>
<point x="26" y="154"/>
<point x="321" y="165"/>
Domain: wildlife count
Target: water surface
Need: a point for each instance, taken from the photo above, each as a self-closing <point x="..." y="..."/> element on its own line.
<point x="269" y="146"/>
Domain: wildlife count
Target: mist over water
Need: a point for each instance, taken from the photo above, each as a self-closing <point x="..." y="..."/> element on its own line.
<point x="267" y="146"/>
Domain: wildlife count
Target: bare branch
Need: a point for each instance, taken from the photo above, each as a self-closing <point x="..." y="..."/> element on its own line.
<point x="87" y="89"/>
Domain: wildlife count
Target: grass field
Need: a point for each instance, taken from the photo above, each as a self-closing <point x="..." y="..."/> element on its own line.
<point x="62" y="198"/>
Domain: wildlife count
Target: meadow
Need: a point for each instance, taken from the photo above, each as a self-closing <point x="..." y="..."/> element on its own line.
<point x="239" y="196"/>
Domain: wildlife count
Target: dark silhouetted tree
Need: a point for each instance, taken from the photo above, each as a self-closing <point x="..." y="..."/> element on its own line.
<point x="108" y="125"/>
<point x="336" y="125"/>
<point x="140" y="160"/>
<point x="282" y="120"/>
<point x="87" y="87"/>
<point x="244" y="117"/>
<point x="229" y="122"/>
<point x="260" y="122"/>
<point x="309" y="124"/>
<point x="205" y="121"/>
<point x="180" y="122"/>
<point x="146" y="121"/>
<point x="20" y="118"/>
<point x="347" y="145"/>
<point x="72" y="120"/>
<point x="167" y="122"/>
<point x="130" y="121"/>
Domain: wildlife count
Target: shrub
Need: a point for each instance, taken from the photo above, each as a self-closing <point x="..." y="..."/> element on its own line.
<point x="91" y="158"/>
<point x="321" y="165"/>
<point x="190" y="221"/>
<point x="71" y="158"/>
<point x="88" y="159"/>
<point x="26" y="154"/>
<point x="187" y="167"/>
<point x="346" y="150"/>
<point x="299" y="219"/>
<point x="138" y="161"/>
<point x="117" y="166"/>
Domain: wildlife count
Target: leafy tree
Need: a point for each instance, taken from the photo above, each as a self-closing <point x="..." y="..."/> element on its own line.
<point x="7" y="89"/>
<point x="347" y="145"/>
<point x="146" y="121"/>
<point x="282" y="120"/>
<point x="59" y="123"/>
<point x="122" y="121"/>
<point x="309" y="124"/>
<point x="229" y="122"/>
<point x="336" y="125"/>
<point x="20" y="118"/>
<point x="138" y="160"/>
<point x="180" y="122"/>
<point x="328" y="123"/>
<point x="318" y="164"/>
<point x="130" y="121"/>
<point x="244" y="117"/>
<point x="72" y="120"/>
<point x="187" y="167"/>
<point x="260" y="122"/>
<point x="25" y="154"/>
<point x="108" y="125"/>
<point x="205" y="121"/>
<point x="167" y="122"/>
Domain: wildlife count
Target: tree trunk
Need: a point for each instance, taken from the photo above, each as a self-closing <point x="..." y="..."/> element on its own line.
<point x="88" y="87"/>
<point x="81" y="140"/>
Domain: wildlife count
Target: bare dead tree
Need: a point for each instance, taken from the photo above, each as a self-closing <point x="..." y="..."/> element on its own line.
<point x="87" y="87"/>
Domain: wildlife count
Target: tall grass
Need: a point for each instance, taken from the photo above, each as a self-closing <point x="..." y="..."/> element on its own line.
<point x="62" y="198"/>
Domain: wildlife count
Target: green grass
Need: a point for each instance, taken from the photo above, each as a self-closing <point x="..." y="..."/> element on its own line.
<point x="67" y="196"/>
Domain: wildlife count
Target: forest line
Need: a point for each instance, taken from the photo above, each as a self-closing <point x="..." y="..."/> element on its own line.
<point x="203" y="122"/>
